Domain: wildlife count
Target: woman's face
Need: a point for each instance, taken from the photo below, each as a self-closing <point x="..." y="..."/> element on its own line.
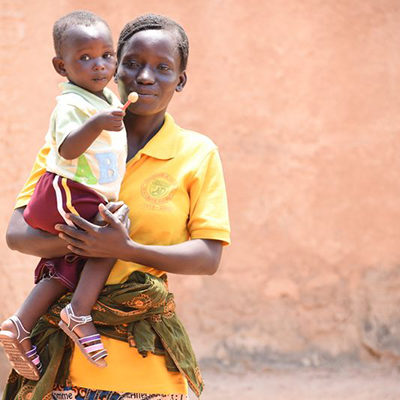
<point x="150" y="65"/>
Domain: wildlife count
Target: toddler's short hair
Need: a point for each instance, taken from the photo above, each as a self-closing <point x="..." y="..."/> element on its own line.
<point x="75" y="18"/>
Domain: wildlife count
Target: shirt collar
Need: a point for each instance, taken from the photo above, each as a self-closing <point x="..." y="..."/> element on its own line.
<point x="68" y="87"/>
<point x="164" y="144"/>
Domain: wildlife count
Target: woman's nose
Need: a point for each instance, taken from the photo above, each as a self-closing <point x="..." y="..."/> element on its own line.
<point x="145" y="76"/>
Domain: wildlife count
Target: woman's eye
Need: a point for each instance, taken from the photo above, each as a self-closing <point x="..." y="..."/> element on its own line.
<point x="131" y="64"/>
<point x="163" y="67"/>
<point x="85" y="57"/>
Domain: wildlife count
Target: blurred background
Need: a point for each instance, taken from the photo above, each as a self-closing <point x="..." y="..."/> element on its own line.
<point x="302" y="97"/>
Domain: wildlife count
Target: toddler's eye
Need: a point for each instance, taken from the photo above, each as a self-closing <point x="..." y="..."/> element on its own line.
<point x="107" y="56"/>
<point x="85" y="57"/>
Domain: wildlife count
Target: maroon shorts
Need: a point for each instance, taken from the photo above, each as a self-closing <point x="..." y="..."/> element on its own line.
<point x="54" y="196"/>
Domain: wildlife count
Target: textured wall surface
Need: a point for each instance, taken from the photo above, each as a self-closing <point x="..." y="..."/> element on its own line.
<point x="303" y="99"/>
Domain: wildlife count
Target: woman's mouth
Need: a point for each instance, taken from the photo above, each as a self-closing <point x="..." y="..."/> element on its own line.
<point x="145" y="94"/>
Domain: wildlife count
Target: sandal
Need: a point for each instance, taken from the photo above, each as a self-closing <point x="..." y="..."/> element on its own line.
<point x="26" y="364"/>
<point x="91" y="346"/>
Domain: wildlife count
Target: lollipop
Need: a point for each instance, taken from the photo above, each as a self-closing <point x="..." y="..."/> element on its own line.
<point x="132" y="98"/>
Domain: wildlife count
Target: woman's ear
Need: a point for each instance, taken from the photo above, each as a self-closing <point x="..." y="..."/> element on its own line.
<point x="182" y="81"/>
<point x="58" y="65"/>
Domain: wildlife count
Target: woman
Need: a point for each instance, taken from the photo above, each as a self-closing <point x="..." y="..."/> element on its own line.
<point x="175" y="191"/>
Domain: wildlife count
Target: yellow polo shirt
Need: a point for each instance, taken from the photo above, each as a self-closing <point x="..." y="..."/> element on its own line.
<point x="175" y="191"/>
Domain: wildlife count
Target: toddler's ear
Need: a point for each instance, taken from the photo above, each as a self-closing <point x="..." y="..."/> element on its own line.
<point x="58" y="65"/>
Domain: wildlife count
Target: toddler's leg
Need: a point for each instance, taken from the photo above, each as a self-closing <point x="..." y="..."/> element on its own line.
<point x="41" y="297"/>
<point x="15" y="331"/>
<point x="76" y="320"/>
<point x="91" y="282"/>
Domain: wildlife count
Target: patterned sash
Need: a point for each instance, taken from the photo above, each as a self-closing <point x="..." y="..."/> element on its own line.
<point x="139" y="311"/>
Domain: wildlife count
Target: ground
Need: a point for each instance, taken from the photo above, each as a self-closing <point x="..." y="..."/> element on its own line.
<point x="350" y="383"/>
<point x="347" y="383"/>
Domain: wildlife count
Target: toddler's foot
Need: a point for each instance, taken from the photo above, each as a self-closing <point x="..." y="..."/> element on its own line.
<point x="23" y="336"/>
<point x="17" y="345"/>
<point x="82" y="331"/>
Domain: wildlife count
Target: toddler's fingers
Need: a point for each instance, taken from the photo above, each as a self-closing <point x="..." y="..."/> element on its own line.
<point x="116" y="127"/>
<point x="118" y="113"/>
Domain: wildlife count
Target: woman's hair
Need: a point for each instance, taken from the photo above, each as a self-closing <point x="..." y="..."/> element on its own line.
<point x="75" y="18"/>
<point x="153" y="21"/>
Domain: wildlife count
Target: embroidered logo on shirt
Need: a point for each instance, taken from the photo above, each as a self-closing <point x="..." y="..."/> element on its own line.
<point x="159" y="188"/>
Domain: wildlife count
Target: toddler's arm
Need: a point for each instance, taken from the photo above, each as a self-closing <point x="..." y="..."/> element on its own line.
<point x="78" y="141"/>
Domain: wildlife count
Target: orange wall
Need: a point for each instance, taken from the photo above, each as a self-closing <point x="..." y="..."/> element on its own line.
<point x="303" y="99"/>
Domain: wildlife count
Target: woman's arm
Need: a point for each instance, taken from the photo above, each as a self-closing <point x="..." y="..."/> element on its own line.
<point x="25" y="239"/>
<point x="194" y="257"/>
<point x="22" y="237"/>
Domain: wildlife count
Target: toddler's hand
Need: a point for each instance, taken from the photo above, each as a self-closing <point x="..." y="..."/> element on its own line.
<point x="110" y="120"/>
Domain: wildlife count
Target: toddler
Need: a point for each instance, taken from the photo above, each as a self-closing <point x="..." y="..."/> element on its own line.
<point x="85" y="167"/>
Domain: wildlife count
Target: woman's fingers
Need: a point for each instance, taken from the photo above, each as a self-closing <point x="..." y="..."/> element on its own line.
<point x="113" y="206"/>
<point x="68" y="230"/>
<point x="124" y="218"/>
<point x="76" y="250"/>
<point x="108" y="217"/>
<point x="72" y="241"/>
<point x="127" y="223"/>
<point x="82" y="223"/>
<point x="122" y="213"/>
<point x="89" y="240"/>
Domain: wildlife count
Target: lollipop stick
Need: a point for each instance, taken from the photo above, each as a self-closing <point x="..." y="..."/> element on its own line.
<point x="132" y="98"/>
<point x="126" y="105"/>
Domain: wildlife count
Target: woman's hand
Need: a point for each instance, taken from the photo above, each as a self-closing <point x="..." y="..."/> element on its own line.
<point x="120" y="209"/>
<point x="90" y="240"/>
<point x="193" y="257"/>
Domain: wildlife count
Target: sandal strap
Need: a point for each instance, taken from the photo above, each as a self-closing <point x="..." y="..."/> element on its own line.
<point x="77" y="319"/>
<point x="92" y="338"/>
<point x="99" y="355"/>
<point x="33" y="355"/>
<point x="94" y="347"/>
<point x="20" y="328"/>
<point x="91" y="345"/>
<point x="32" y="352"/>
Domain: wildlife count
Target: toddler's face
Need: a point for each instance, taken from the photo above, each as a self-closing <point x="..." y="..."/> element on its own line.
<point x="88" y="57"/>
